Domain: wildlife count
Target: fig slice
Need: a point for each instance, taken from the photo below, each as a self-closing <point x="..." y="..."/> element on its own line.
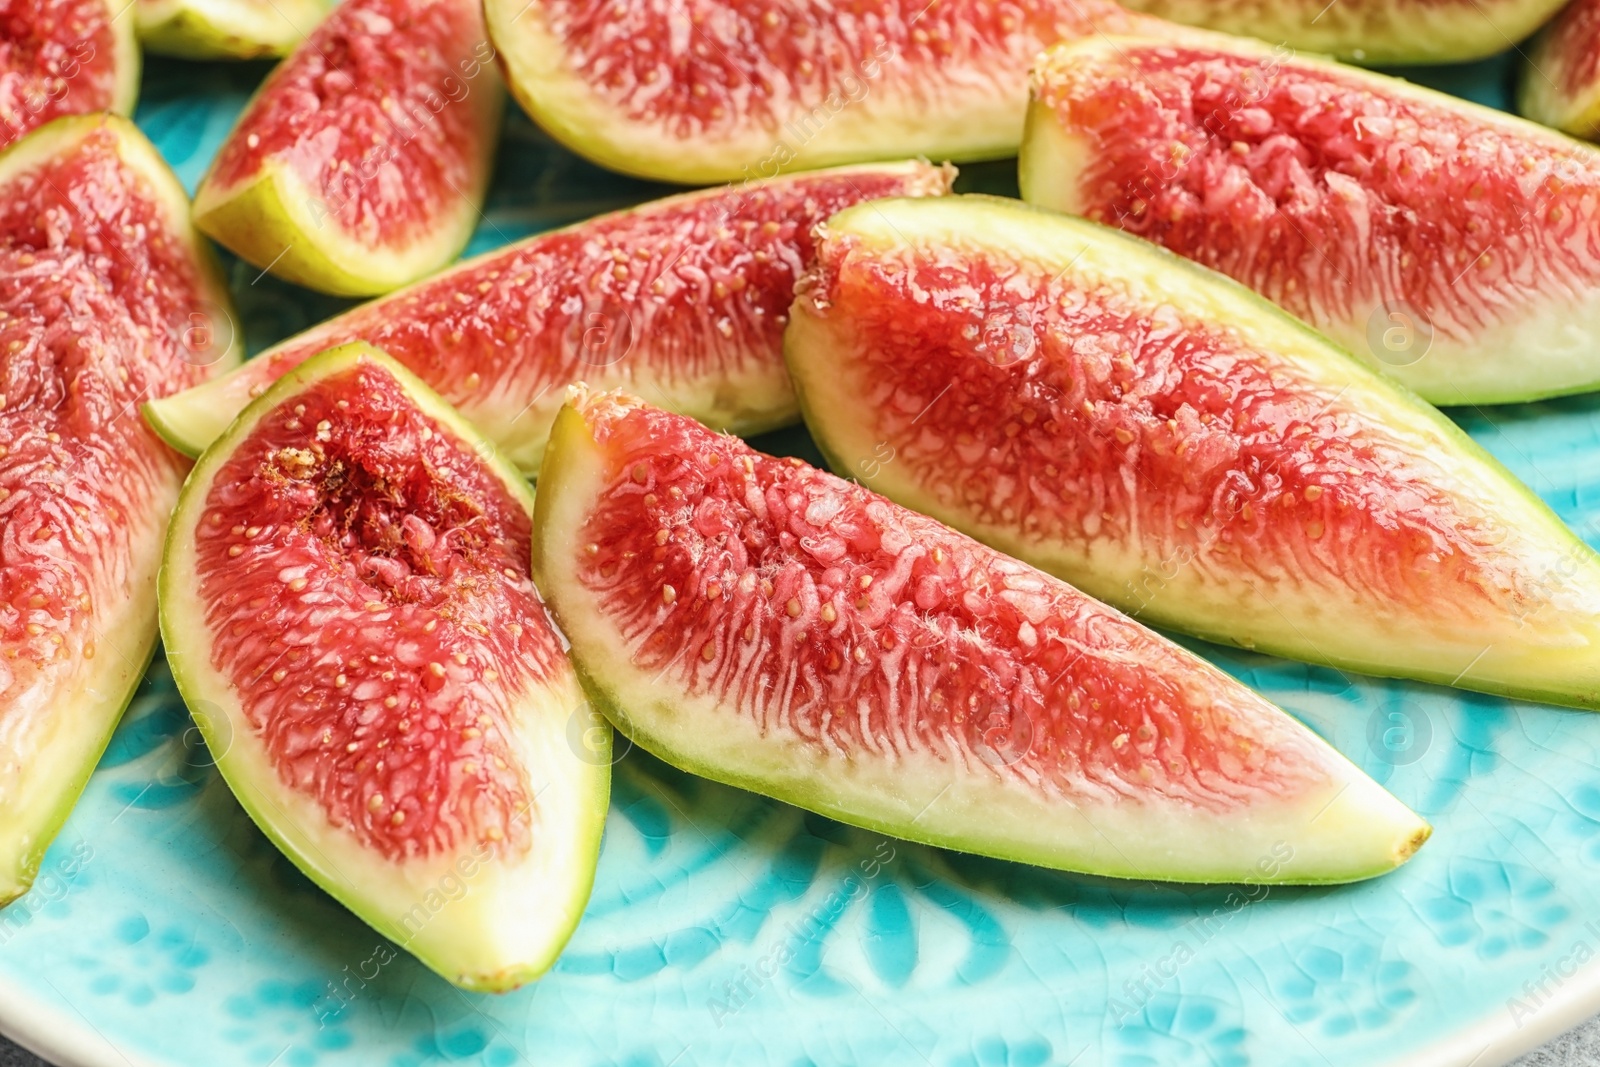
<point x="1171" y="443"/>
<point x="1560" y="81"/>
<point x="362" y="162"/>
<point x="702" y="91"/>
<point x="225" y="29"/>
<point x="763" y="623"/>
<point x="683" y="300"/>
<point x="1447" y="244"/>
<point x="1373" y="32"/>
<point x="107" y="296"/>
<point x="64" y="57"/>
<point x="347" y="607"/>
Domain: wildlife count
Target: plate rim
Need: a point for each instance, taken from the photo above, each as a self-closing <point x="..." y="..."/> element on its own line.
<point x="51" y="1034"/>
<point x="1493" y="1041"/>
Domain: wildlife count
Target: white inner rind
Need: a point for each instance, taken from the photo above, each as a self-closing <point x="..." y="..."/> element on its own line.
<point x="1550" y="651"/>
<point x="189" y="421"/>
<point x="53" y="732"/>
<point x="200" y="29"/>
<point x="1343" y="829"/>
<point x="1369" y="31"/>
<point x="1539" y="98"/>
<point x="484" y="918"/>
<point x="126" y="57"/>
<point x="1551" y="350"/>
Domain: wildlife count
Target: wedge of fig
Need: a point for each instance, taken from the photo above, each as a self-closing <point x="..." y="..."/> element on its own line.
<point x="106" y="297"/>
<point x="708" y="91"/>
<point x="362" y="162"/>
<point x="763" y="623"/>
<point x="1560" y="80"/>
<point x="226" y="29"/>
<point x="1171" y="443"/>
<point x="1447" y="244"/>
<point x="683" y="300"/>
<point x="347" y="608"/>
<point x="65" y="57"/>
<point x="1369" y="31"/>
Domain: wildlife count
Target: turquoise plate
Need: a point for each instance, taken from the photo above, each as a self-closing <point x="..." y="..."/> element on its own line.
<point x="726" y="928"/>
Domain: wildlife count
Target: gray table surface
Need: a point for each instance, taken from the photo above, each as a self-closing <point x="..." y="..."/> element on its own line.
<point x="1578" y="1048"/>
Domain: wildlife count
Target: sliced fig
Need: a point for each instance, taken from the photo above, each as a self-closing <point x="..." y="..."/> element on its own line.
<point x="362" y="162"/>
<point x="1369" y="31"/>
<point x="1173" y="444"/>
<point x="347" y="607"/>
<point x="683" y="300"/>
<point x="64" y="57"/>
<point x="106" y="297"/>
<point x="1560" y="83"/>
<point x="763" y="623"/>
<point x="711" y="90"/>
<point x="1447" y="244"/>
<point x="226" y="29"/>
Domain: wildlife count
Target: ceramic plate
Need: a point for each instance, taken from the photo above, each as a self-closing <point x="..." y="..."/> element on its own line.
<point x="725" y="928"/>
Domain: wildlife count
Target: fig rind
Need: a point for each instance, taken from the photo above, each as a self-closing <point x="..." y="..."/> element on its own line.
<point x="508" y="925"/>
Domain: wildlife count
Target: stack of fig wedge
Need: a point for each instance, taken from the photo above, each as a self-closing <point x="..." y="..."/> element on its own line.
<point x="1172" y="443"/>
<point x="353" y="594"/>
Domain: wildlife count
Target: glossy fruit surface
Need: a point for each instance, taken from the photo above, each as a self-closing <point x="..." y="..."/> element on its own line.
<point x="761" y="622"/>
<point x="711" y="91"/>
<point x="361" y="164"/>
<point x="64" y="57"/>
<point x="1451" y="246"/>
<point x="106" y="297"/>
<point x="683" y="300"/>
<point x="1173" y="444"/>
<point x="348" y="611"/>
<point x="1561" y="75"/>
